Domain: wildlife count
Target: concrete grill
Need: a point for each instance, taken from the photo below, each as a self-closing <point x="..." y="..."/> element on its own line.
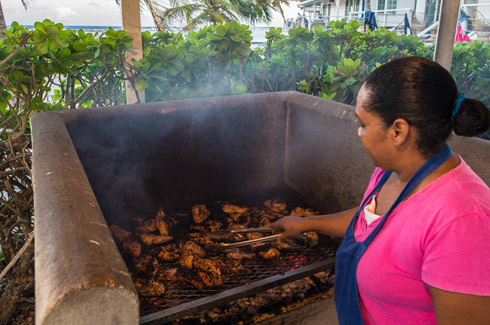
<point x="101" y="166"/>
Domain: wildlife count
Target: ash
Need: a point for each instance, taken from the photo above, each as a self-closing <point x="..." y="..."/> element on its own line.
<point x="268" y="304"/>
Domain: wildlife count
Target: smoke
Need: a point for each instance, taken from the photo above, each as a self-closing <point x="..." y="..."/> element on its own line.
<point x="139" y="159"/>
<point x="117" y="155"/>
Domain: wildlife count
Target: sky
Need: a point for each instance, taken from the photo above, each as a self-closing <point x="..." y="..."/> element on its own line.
<point x="91" y="12"/>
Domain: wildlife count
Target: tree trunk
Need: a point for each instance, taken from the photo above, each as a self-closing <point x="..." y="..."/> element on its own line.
<point x="3" y="26"/>
<point x="18" y="278"/>
<point x="154" y="15"/>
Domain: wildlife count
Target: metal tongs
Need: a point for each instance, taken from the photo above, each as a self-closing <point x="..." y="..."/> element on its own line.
<point x="223" y="234"/>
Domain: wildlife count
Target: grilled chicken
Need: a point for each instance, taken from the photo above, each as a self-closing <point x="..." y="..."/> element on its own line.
<point x="275" y="206"/>
<point x="310" y="239"/>
<point x="199" y="227"/>
<point x="234" y="211"/>
<point x="191" y="248"/>
<point x="149" y="288"/>
<point x="256" y="246"/>
<point x="300" y="212"/>
<point x="132" y="247"/>
<point x="188" y="275"/>
<point x="239" y="255"/>
<point x="209" y="274"/>
<point x="200" y="272"/>
<point x="168" y="274"/>
<point x="208" y="226"/>
<point x="145" y="225"/>
<point x="186" y="260"/>
<point x="244" y="219"/>
<point x="193" y="267"/>
<point x="262" y="221"/>
<point x="283" y="245"/>
<point x="254" y="235"/>
<point x="151" y="239"/>
<point x="200" y="213"/>
<point x="201" y="239"/>
<point x="267" y="252"/>
<point x="167" y="253"/>
<point x="146" y="265"/>
<point x="228" y="266"/>
<point x="213" y="225"/>
<point x="119" y="234"/>
<point x="161" y="223"/>
<point x="238" y="236"/>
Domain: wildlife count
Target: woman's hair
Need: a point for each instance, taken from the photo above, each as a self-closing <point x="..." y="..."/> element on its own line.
<point x="424" y="94"/>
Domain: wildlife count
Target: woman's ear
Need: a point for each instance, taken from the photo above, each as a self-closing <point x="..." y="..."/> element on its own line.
<point x="400" y="132"/>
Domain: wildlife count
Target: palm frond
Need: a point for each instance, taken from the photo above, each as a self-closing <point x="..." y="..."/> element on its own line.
<point x="180" y="15"/>
<point x="25" y="3"/>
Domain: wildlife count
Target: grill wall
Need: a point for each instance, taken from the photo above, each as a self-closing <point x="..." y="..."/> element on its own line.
<point x="98" y="166"/>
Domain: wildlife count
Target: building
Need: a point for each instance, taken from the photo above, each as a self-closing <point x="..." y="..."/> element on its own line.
<point x="423" y="14"/>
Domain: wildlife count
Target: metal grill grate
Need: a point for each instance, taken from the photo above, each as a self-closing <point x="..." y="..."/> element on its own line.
<point x="178" y="293"/>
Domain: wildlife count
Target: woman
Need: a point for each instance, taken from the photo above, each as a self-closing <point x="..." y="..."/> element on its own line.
<point x="417" y="251"/>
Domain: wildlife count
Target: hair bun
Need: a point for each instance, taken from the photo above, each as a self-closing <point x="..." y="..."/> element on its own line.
<point x="472" y="118"/>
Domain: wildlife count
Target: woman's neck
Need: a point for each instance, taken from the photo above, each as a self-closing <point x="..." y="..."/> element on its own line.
<point x="410" y="167"/>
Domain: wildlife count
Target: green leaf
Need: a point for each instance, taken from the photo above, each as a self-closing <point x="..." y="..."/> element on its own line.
<point x="244" y="51"/>
<point x="237" y="39"/>
<point x="24" y="88"/>
<point x="350" y="81"/>
<point x="212" y="37"/>
<point x="221" y="30"/>
<point x="140" y="85"/>
<point x="39" y="27"/>
<point x="170" y="51"/>
<point x="240" y="88"/>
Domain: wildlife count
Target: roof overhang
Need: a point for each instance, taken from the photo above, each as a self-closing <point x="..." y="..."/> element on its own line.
<point x="310" y="3"/>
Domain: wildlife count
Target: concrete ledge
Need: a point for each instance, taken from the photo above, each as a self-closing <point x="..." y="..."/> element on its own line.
<point x="74" y="251"/>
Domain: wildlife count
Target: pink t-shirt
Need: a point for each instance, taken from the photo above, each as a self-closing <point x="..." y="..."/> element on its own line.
<point x="438" y="236"/>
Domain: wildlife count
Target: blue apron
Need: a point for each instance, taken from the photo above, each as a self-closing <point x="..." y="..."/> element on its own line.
<point x="351" y="251"/>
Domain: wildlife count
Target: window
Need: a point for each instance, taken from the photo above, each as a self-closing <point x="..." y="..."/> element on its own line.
<point x="392" y="4"/>
<point x="352" y="6"/>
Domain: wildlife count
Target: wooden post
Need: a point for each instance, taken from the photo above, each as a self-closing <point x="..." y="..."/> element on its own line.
<point x="131" y="22"/>
<point x="446" y="33"/>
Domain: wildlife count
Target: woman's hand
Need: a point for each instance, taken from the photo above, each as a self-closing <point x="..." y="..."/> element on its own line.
<point x="330" y="224"/>
<point x="292" y="225"/>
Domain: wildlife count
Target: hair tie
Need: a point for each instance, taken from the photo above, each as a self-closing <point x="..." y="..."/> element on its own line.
<point x="461" y="98"/>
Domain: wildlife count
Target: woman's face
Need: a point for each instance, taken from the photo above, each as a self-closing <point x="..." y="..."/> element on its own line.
<point x="372" y="132"/>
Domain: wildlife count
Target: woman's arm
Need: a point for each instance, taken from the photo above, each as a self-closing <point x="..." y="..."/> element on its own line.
<point x="330" y="224"/>
<point x="458" y="308"/>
